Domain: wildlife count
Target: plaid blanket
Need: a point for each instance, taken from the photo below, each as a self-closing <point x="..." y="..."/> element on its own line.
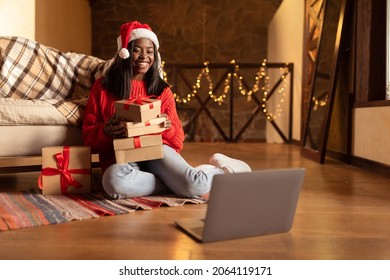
<point x="29" y="70"/>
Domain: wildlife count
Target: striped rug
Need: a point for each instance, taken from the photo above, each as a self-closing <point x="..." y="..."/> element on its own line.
<point x="30" y="208"/>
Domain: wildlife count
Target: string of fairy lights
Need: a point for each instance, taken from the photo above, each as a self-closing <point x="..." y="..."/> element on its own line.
<point x="262" y="90"/>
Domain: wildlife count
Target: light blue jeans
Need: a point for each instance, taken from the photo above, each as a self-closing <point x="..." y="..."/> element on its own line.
<point x="155" y="177"/>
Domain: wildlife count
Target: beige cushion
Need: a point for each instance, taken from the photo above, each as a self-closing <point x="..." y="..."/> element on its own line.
<point x="29" y="112"/>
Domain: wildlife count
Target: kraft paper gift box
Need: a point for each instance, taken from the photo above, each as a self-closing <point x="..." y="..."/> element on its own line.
<point x="139" y="148"/>
<point x="138" y="110"/>
<point x="65" y="169"/>
<point x="155" y="125"/>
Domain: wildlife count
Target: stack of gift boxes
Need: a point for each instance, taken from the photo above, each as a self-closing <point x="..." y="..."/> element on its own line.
<point x="67" y="169"/>
<point x="143" y="130"/>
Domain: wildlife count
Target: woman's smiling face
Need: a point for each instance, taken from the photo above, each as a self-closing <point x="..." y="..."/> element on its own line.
<point x="143" y="57"/>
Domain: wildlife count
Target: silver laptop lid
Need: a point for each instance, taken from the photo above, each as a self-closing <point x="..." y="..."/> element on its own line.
<point x="255" y="203"/>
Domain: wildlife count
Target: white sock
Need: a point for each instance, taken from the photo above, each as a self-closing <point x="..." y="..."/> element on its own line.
<point x="229" y="165"/>
<point x="204" y="167"/>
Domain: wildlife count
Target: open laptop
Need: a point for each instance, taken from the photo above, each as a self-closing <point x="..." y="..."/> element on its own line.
<point x="248" y="204"/>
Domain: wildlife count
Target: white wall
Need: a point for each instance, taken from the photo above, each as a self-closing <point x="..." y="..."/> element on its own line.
<point x="285" y="44"/>
<point x="17" y="18"/>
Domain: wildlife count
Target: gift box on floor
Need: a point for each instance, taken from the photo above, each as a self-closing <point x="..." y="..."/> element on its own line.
<point x="65" y="169"/>
<point x="155" y="125"/>
<point x="138" y="110"/>
<point x="138" y="148"/>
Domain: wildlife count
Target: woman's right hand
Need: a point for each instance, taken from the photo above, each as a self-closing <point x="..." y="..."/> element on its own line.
<point x="115" y="128"/>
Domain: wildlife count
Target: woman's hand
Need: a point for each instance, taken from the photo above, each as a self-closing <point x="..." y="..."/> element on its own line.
<point x="115" y="128"/>
<point x="168" y="123"/>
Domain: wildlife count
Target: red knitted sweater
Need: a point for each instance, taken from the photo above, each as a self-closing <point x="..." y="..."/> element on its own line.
<point x="100" y="108"/>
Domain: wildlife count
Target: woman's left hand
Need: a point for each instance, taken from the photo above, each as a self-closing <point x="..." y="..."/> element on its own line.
<point x="168" y="123"/>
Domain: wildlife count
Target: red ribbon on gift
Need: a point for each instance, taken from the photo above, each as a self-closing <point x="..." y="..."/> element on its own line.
<point x="139" y="101"/>
<point x="66" y="178"/>
<point x="137" y="142"/>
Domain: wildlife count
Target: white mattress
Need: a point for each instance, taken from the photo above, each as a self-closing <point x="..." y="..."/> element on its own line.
<point x="25" y="112"/>
<point x="28" y="140"/>
<point x="26" y="126"/>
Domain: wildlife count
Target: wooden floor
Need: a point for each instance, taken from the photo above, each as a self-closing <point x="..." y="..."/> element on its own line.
<point x="343" y="213"/>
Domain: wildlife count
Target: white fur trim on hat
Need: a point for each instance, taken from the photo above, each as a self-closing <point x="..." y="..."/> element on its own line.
<point x="137" y="34"/>
<point x="144" y="33"/>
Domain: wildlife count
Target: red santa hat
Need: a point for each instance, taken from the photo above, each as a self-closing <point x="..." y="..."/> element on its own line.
<point x="131" y="31"/>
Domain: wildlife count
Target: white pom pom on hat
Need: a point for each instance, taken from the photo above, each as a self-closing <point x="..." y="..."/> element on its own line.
<point x="124" y="53"/>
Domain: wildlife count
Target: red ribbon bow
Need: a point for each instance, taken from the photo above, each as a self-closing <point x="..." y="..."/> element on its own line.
<point x="66" y="178"/>
<point x="140" y="101"/>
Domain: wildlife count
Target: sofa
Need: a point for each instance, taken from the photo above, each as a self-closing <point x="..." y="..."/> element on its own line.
<point x="43" y="93"/>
